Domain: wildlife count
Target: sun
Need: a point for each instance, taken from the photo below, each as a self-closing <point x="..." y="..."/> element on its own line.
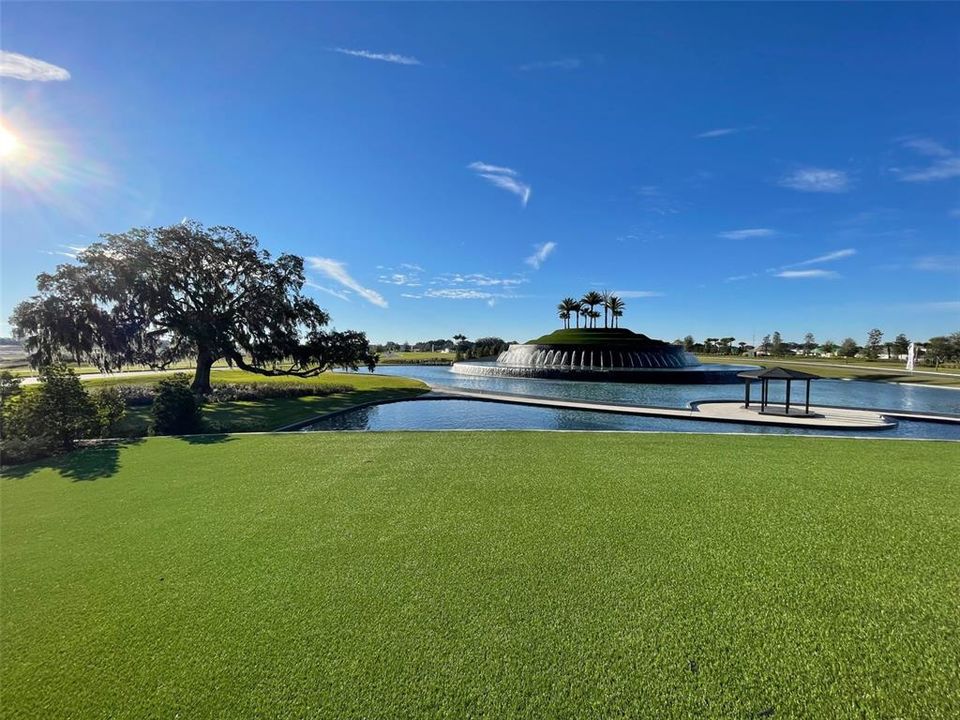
<point x="9" y="145"/>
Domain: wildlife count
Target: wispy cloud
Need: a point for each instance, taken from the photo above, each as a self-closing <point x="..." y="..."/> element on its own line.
<point x="406" y="274"/>
<point x="482" y="167"/>
<point x="952" y="306"/>
<point x="541" y="253"/>
<point x="337" y="271"/>
<point x="562" y="64"/>
<point x="330" y="291"/>
<point x="813" y="179"/>
<point x="946" y="163"/>
<point x="458" y="294"/>
<point x="502" y="177"/>
<point x="21" y="67"/>
<point x="738" y="278"/>
<point x="721" y="132"/>
<point x="638" y="293"/>
<point x="748" y="233"/>
<point x="926" y="146"/>
<point x="654" y="200"/>
<point x="70" y="251"/>
<point x="938" y="263"/>
<point x="478" y="279"/>
<point x="942" y="169"/>
<point x="829" y="257"/>
<point x="383" y="57"/>
<point x="806" y="274"/>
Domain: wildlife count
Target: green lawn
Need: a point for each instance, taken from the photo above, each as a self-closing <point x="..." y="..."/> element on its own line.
<point x="401" y="358"/>
<point x="270" y="414"/>
<point x="390" y="575"/>
<point x="881" y="371"/>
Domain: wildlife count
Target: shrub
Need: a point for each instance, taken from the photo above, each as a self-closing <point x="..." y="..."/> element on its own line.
<point x="9" y="389"/>
<point x="176" y="410"/>
<point x="136" y="395"/>
<point x="264" y="391"/>
<point x="60" y="408"/>
<point x="17" y="450"/>
<point x="110" y="408"/>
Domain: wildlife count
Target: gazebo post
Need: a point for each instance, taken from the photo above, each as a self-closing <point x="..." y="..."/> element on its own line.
<point x="763" y="389"/>
<point x="787" y="405"/>
<point x="746" y="393"/>
<point x="806" y="408"/>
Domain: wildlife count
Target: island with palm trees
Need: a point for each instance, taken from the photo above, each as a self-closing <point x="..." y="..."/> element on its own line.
<point x="609" y="353"/>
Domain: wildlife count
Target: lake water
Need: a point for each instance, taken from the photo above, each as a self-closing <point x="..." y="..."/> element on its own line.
<point x="467" y="414"/>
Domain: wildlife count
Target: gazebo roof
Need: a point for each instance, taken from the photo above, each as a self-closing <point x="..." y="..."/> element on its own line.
<point x="777" y="373"/>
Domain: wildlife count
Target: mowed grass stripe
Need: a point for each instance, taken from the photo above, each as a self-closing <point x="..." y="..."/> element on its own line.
<point x="484" y="574"/>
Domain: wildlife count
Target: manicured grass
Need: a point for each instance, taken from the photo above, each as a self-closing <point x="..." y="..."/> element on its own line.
<point x="620" y="337"/>
<point x="273" y="413"/>
<point x="833" y="368"/>
<point x="401" y="358"/>
<point x="484" y="574"/>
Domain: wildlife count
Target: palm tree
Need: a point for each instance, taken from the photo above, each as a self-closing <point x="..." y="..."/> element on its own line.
<point x="570" y="307"/>
<point x="564" y="315"/>
<point x="616" y="307"/>
<point x="605" y="302"/>
<point x="585" y="313"/>
<point x="594" y="314"/>
<point x="592" y="299"/>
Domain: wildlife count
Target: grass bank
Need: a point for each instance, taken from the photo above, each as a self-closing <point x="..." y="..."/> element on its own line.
<point x="483" y="574"/>
<point x="273" y="413"/>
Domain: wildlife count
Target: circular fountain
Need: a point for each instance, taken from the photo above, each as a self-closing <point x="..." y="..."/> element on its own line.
<point x="601" y="354"/>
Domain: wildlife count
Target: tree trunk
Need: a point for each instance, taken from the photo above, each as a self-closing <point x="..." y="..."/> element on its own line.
<point x="201" y="378"/>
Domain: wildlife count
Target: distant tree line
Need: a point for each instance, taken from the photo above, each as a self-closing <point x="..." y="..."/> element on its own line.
<point x="936" y="351"/>
<point x="461" y="348"/>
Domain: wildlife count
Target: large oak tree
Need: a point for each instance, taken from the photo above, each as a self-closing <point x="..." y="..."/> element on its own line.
<point x="157" y="296"/>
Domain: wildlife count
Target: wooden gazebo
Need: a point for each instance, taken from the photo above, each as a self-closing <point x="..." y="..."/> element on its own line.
<point x="765" y="375"/>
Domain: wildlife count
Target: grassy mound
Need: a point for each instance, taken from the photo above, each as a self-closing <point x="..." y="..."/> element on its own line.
<point x="483" y="574"/>
<point x="620" y="338"/>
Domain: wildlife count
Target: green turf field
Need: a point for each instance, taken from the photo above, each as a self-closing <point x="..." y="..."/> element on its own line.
<point x="390" y="575"/>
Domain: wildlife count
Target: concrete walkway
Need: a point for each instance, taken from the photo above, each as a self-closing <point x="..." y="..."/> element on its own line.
<point x="729" y="412"/>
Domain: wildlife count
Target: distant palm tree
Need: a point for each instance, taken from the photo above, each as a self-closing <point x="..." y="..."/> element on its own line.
<point x="564" y="315"/>
<point x="594" y="314"/>
<point x="591" y="300"/>
<point x="616" y="307"/>
<point x="585" y="314"/>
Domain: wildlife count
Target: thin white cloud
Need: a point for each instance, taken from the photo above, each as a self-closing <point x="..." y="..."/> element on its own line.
<point x="829" y="257"/>
<point x="748" y="233"/>
<point x="458" y="294"/>
<point x="806" y="274"/>
<point x="329" y="291"/>
<point x="926" y="146"/>
<point x="718" y="132"/>
<point x="502" y="177"/>
<point x="70" y="251"/>
<point x="21" y="67"/>
<point x="337" y="271"/>
<point x="482" y="167"/>
<point x="478" y="279"/>
<point x="563" y="64"/>
<point x="517" y="187"/>
<point x="813" y="179"/>
<point x="946" y="163"/>
<point x="383" y="57"/>
<point x="541" y="253"/>
<point x="738" y="278"/>
<point x="637" y="293"/>
<point x="400" y="279"/>
<point x="943" y="169"/>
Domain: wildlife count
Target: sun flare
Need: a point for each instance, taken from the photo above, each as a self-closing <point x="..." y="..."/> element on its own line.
<point x="8" y="144"/>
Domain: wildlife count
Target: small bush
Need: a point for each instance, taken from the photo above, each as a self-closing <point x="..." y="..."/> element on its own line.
<point x="176" y="410"/>
<point x="110" y="407"/>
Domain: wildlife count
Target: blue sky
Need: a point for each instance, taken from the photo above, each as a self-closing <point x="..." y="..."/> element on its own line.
<point x="728" y="169"/>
